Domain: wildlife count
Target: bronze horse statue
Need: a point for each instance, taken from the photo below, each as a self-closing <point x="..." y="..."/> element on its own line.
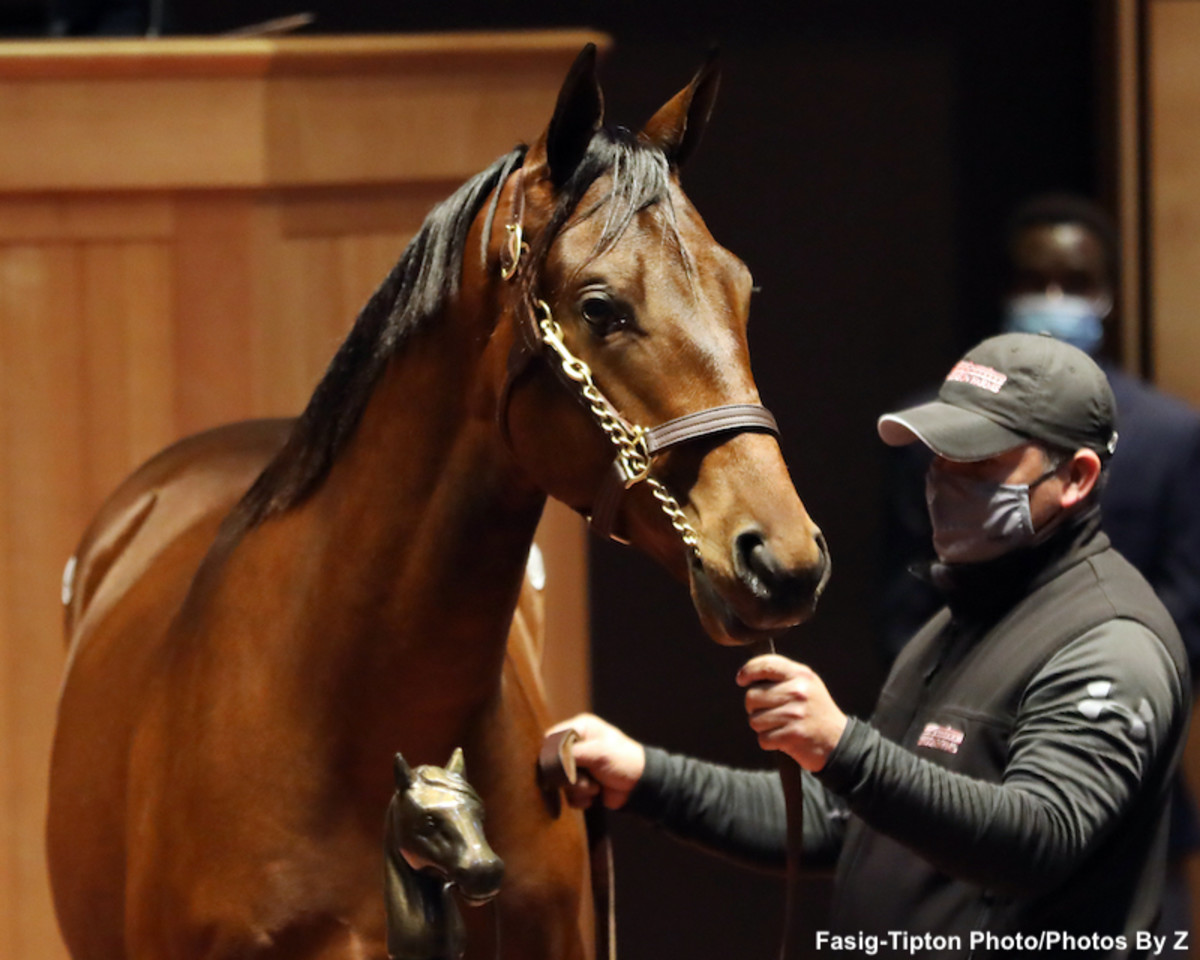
<point x="433" y="841"/>
<point x="260" y="615"/>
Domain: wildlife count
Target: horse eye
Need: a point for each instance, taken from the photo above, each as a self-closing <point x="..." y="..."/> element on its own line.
<point x="602" y="314"/>
<point x="428" y="825"/>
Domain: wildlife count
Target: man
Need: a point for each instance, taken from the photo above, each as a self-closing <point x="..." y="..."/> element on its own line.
<point x="1063" y="256"/>
<point x="1013" y="781"/>
<point x="1063" y="267"/>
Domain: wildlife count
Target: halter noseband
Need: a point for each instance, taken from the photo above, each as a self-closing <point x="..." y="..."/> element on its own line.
<point x="539" y="334"/>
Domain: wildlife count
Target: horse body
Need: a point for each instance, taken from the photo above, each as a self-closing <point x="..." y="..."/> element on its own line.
<point x="244" y="664"/>
<point x="249" y="811"/>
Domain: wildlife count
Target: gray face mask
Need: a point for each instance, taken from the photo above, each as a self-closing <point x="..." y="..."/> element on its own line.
<point x="976" y="520"/>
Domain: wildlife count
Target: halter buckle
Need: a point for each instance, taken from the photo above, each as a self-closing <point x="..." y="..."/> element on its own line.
<point x="514" y="247"/>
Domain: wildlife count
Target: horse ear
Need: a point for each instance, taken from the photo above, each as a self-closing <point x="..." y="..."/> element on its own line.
<point x="402" y="772"/>
<point x="578" y="115"/>
<point x="457" y="765"/>
<point x="678" y="126"/>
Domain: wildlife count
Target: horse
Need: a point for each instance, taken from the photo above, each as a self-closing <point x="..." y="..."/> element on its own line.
<point x="434" y="841"/>
<point x="261" y="614"/>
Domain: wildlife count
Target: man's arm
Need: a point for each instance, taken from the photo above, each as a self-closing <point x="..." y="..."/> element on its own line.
<point x="737" y="814"/>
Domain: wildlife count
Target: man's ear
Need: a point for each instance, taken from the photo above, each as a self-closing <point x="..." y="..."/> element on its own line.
<point x="677" y="127"/>
<point x="1084" y="473"/>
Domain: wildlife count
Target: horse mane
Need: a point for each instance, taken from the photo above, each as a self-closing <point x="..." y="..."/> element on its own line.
<point x="425" y="278"/>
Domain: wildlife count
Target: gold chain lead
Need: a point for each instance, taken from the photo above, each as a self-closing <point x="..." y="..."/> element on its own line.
<point x="633" y="458"/>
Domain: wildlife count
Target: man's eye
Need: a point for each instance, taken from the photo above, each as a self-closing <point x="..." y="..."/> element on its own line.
<point x="602" y="314"/>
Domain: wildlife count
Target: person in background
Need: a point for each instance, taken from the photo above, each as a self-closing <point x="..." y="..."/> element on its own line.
<point x="1063" y="256"/>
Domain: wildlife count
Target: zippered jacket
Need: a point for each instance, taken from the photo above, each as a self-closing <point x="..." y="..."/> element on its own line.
<point x="1009" y="795"/>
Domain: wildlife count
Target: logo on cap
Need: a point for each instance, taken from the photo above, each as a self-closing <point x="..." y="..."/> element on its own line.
<point x="977" y="375"/>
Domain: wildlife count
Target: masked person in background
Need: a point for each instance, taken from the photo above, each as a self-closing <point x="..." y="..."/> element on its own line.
<point x="1010" y="793"/>
<point x="1063" y="256"/>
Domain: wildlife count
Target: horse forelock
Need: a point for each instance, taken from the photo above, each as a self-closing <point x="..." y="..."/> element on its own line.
<point x="639" y="178"/>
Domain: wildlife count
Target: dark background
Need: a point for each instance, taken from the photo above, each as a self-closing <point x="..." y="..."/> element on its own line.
<point x="862" y="159"/>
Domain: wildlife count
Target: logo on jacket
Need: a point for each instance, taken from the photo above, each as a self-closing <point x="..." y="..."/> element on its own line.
<point x="1099" y="702"/>
<point x="937" y="737"/>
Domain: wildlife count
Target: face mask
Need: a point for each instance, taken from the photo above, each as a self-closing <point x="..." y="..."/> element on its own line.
<point x="1077" y="320"/>
<point x="975" y="520"/>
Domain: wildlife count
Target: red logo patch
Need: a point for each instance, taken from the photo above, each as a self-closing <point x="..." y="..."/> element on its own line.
<point x="937" y="737"/>
<point x="977" y="375"/>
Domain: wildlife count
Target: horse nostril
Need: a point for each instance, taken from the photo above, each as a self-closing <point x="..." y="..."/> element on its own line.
<point x="759" y="569"/>
<point x="756" y="565"/>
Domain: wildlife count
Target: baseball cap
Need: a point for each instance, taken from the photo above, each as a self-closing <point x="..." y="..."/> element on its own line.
<point x="1009" y="390"/>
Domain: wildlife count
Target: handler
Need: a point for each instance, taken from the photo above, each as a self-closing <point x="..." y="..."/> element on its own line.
<point x="1010" y="793"/>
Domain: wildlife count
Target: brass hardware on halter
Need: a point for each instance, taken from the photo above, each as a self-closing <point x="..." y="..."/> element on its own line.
<point x="633" y="454"/>
<point x="514" y="248"/>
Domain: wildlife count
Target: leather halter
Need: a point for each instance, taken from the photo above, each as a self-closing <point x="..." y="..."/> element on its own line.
<point x="531" y="343"/>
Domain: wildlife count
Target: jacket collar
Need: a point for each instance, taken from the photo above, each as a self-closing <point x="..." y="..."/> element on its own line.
<point x="985" y="591"/>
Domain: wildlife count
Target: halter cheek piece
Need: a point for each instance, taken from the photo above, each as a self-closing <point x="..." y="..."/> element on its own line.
<point x="539" y="336"/>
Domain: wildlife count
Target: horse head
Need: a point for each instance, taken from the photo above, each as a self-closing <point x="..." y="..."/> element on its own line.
<point x="435" y="822"/>
<point x="609" y="257"/>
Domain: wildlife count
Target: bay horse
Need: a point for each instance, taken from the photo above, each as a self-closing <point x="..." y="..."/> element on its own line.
<point x="262" y="614"/>
<point x="433" y="843"/>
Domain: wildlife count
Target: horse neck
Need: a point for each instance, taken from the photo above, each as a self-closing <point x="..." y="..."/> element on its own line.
<point x="421" y="533"/>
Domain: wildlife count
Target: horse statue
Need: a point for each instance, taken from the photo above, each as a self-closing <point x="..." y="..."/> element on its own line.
<point x="433" y="841"/>
<point x="261" y="614"/>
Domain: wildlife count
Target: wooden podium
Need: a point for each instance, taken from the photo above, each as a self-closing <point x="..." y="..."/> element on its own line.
<point x="187" y="230"/>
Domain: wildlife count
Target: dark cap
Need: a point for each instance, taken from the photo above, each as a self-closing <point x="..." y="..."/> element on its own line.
<point x="1007" y="391"/>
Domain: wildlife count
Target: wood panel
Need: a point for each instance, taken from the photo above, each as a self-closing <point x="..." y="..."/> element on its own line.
<point x="204" y="272"/>
<point x="253" y="112"/>
<point x="1170" y="150"/>
<point x="43" y="410"/>
<point x="1174" y="95"/>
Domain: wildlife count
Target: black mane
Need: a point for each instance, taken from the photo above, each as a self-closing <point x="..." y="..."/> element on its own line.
<point x="419" y="286"/>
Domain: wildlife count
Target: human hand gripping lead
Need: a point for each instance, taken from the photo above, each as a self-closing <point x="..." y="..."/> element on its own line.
<point x="608" y="762"/>
<point x="791" y="710"/>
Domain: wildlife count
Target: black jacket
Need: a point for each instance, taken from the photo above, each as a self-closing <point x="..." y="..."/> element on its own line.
<point x="1013" y="780"/>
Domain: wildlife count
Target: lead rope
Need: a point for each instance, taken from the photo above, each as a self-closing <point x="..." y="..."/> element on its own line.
<point x="792" y="780"/>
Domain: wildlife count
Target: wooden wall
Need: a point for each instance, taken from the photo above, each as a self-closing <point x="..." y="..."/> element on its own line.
<point x="187" y="230"/>
<point x="1173" y="74"/>
<point x="1169" y="151"/>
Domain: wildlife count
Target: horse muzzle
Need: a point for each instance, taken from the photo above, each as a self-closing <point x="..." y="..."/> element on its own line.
<point x="759" y="595"/>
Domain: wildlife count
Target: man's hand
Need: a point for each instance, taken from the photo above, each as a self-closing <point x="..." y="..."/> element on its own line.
<point x="609" y="763"/>
<point x="790" y="709"/>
